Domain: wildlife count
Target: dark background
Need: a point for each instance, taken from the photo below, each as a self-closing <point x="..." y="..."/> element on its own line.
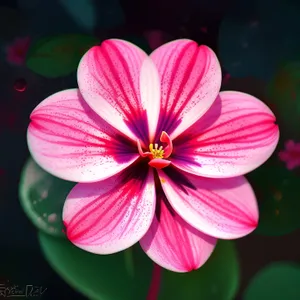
<point x="21" y="259"/>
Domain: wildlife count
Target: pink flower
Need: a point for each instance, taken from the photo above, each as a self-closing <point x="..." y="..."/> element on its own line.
<point x="16" y="52"/>
<point x="290" y="155"/>
<point x="158" y="152"/>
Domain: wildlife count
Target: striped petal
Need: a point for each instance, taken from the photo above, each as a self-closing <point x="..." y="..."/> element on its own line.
<point x="120" y="82"/>
<point x="111" y="215"/>
<point x="190" y="81"/>
<point x="236" y="135"/>
<point x="223" y="208"/>
<point x="70" y="141"/>
<point x="174" y="244"/>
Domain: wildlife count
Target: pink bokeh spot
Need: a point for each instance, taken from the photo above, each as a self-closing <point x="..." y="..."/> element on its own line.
<point x="158" y="152"/>
<point x="16" y="52"/>
<point x="20" y="85"/>
<point x="290" y="155"/>
<point x="155" y="38"/>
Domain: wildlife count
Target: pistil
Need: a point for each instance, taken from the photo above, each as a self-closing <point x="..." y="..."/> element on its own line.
<point x="158" y="154"/>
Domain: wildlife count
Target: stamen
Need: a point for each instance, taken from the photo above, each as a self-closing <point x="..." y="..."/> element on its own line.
<point x="157" y="154"/>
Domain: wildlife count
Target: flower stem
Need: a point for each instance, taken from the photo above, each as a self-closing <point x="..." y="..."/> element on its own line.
<point x="155" y="283"/>
<point x="129" y="261"/>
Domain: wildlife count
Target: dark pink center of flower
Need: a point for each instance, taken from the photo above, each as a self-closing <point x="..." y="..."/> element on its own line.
<point x="158" y="154"/>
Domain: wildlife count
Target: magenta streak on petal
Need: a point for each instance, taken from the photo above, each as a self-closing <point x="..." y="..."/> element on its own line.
<point x="220" y="204"/>
<point x="169" y="219"/>
<point x="155" y="283"/>
<point x="231" y="139"/>
<point x="186" y="140"/>
<point x="165" y="216"/>
<point x="174" y="244"/>
<point x="166" y="123"/>
<point x="69" y="140"/>
<point x="135" y="117"/>
<point x="223" y="207"/>
<point x="184" y="248"/>
<point x="43" y="123"/>
<point x="89" y="225"/>
<point x="88" y="235"/>
<point x="183" y="82"/>
<point x="270" y="125"/>
<point x="190" y="82"/>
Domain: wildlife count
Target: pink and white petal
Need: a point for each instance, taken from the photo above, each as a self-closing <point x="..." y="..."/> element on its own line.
<point x="69" y="140"/>
<point x="150" y="95"/>
<point x="111" y="215"/>
<point x="174" y="244"/>
<point x="235" y="136"/>
<point x="223" y="208"/>
<point x="190" y="78"/>
<point x="121" y="84"/>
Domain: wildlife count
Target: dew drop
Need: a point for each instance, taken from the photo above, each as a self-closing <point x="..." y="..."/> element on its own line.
<point x="20" y="85"/>
<point x="44" y="194"/>
<point x="52" y="218"/>
<point x="52" y="229"/>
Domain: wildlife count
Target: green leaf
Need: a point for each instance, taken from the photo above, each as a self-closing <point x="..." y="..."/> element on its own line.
<point x="278" y="281"/>
<point x="284" y="93"/>
<point x="276" y="189"/>
<point x="99" y="277"/>
<point x="217" y="279"/>
<point x="42" y="197"/>
<point x="58" y="56"/>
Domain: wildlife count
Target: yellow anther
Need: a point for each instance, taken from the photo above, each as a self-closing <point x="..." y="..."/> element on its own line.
<point x="156" y="152"/>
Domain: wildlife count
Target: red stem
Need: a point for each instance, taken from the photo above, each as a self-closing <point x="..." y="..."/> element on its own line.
<point x="155" y="283"/>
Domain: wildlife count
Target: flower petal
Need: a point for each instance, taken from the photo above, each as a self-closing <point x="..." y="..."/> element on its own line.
<point x="190" y="81"/>
<point x="120" y="82"/>
<point x="70" y="141"/>
<point x="236" y="135"/>
<point x="174" y="244"/>
<point x="223" y="208"/>
<point x="111" y="215"/>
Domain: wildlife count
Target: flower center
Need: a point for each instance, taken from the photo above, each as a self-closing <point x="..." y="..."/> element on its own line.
<point x="156" y="152"/>
<point x="158" y="155"/>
